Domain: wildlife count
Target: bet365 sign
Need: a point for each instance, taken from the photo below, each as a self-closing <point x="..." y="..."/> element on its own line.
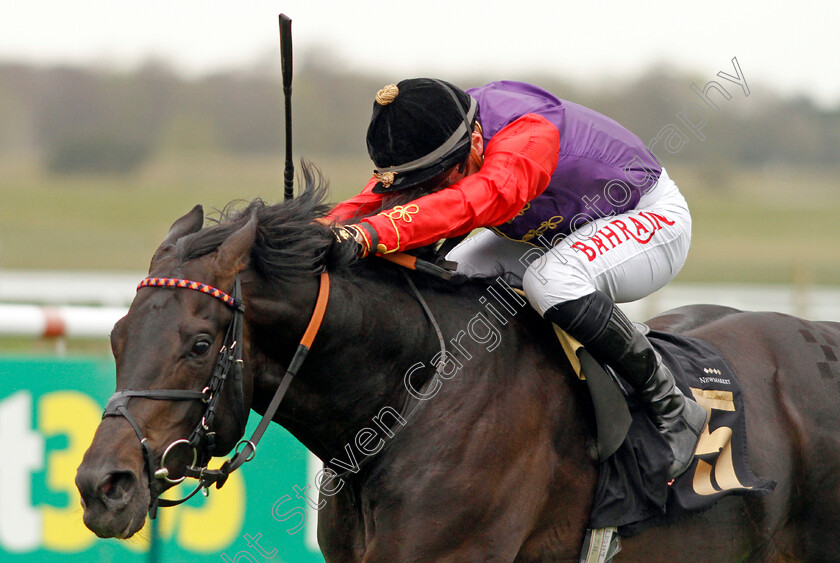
<point x="49" y="410"/>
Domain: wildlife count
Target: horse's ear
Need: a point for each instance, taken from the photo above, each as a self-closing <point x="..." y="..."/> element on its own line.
<point x="186" y="225"/>
<point x="232" y="256"/>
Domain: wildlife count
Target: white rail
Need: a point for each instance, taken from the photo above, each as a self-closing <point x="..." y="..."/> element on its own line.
<point x="68" y="288"/>
<point x="59" y="322"/>
<point x="48" y="304"/>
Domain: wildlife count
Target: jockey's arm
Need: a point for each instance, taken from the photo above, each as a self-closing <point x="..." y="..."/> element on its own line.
<point x="518" y="163"/>
<point x="357" y="206"/>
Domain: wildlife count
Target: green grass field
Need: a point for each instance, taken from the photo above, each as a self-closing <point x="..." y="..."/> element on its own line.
<point x="774" y="227"/>
<point x="779" y="227"/>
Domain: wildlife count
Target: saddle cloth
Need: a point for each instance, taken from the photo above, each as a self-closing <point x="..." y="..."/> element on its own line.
<point x="633" y="492"/>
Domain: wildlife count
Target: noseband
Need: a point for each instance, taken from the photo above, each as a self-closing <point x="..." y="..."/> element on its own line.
<point x="228" y="367"/>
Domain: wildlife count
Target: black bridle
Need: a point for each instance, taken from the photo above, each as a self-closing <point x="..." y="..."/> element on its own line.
<point x="229" y="366"/>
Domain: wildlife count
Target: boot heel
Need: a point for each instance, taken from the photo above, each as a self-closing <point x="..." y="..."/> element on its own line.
<point x="696" y="417"/>
<point x="684" y="442"/>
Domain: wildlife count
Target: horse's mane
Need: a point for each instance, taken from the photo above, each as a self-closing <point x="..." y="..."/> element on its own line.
<point x="290" y="243"/>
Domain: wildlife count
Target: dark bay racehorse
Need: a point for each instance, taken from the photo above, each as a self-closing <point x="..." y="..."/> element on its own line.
<point x="497" y="461"/>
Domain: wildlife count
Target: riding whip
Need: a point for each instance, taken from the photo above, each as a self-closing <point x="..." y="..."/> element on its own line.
<point x="286" y="69"/>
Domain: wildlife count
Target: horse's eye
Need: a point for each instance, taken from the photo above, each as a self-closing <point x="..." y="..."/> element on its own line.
<point x="201" y="347"/>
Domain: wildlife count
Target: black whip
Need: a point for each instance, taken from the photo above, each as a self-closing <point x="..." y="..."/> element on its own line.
<point x="286" y="60"/>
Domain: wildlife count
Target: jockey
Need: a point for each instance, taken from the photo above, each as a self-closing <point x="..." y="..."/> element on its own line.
<point x="574" y="204"/>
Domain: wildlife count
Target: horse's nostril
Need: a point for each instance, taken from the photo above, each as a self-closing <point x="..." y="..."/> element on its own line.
<point x="108" y="485"/>
<point x="117" y="484"/>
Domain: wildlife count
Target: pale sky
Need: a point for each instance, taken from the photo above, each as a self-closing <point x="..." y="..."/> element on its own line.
<point x="792" y="47"/>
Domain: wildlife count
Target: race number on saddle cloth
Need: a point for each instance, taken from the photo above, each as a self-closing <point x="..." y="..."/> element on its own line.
<point x="632" y="494"/>
<point x="630" y="498"/>
<point x="575" y="204"/>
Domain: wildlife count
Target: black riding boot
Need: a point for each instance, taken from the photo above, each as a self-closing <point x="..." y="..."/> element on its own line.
<point x="611" y="338"/>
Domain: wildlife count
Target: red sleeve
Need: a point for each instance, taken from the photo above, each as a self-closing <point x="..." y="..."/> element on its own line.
<point x="363" y="204"/>
<point x="518" y="163"/>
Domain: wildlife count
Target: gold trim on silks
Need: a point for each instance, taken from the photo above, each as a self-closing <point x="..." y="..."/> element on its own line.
<point x="551" y="224"/>
<point x="385" y="178"/>
<point x="403" y="212"/>
<point x="400" y="212"/>
<point x="521" y="213"/>
<point x="504" y="236"/>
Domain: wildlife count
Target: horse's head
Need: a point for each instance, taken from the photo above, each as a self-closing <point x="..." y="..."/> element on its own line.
<point x="168" y="362"/>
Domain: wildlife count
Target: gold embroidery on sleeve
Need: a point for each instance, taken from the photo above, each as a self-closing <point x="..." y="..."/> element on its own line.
<point x="403" y="213"/>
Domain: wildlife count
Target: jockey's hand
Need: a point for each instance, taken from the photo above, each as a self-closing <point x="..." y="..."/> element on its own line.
<point x="351" y="234"/>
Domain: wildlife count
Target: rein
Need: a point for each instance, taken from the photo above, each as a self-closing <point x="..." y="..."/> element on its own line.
<point x="230" y="357"/>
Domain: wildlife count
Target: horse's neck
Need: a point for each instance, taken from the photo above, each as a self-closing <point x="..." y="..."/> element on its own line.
<point x="371" y="334"/>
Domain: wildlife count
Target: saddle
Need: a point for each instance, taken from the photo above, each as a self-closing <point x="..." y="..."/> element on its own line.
<point x="633" y="492"/>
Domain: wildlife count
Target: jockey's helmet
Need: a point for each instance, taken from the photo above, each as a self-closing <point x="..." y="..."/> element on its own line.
<point x="419" y="128"/>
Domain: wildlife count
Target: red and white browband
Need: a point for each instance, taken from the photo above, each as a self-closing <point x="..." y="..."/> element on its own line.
<point x="188" y="284"/>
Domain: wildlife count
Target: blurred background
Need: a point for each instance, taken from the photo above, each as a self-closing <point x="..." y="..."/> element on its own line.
<point x="116" y="119"/>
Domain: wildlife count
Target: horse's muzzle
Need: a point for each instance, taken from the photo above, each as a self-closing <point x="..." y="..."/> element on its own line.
<point x="113" y="493"/>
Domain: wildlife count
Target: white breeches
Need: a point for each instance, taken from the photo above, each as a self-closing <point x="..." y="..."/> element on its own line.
<point x="627" y="256"/>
